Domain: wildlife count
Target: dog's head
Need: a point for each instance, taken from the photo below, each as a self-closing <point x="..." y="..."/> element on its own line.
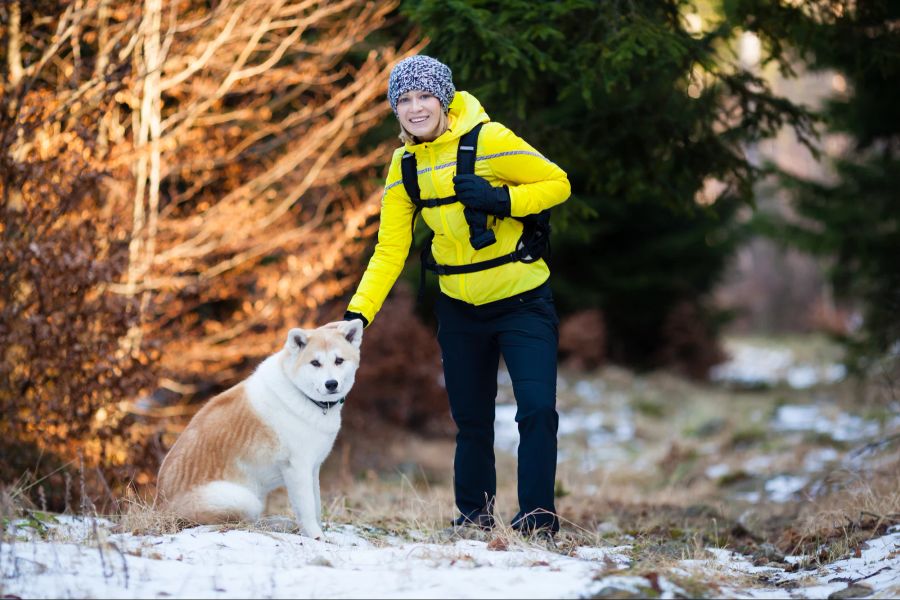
<point x="322" y="362"/>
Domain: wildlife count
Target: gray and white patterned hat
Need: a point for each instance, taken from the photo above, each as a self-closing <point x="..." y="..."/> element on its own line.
<point x="421" y="72"/>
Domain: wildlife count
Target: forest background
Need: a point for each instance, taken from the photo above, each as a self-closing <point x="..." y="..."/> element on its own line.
<point x="182" y="181"/>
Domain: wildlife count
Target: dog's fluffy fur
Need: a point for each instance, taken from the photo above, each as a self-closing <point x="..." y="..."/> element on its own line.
<point x="264" y="433"/>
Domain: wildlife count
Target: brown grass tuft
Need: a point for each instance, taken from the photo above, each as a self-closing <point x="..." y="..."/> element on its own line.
<point x="139" y="516"/>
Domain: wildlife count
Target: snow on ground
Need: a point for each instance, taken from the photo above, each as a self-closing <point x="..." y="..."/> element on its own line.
<point x="207" y="562"/>
<point x="839" y="426"/>
<point x="875" y="570"/>
<point x="753" y="365"/>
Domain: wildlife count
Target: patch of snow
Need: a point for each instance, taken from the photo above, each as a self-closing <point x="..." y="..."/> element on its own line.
<point x="589" y="391"/>
<point x="631" y="585"/>
<point x="752" y="497"/>
<point x="751" y="365"/>
<point x="783" y="487"/>
<point x="614" y="555"/>
<point x="795" y="418"/>
<point x="717" y="470"/>
<point x="758" y="464"/>
<point x="802" y="376"/>
<point x="608" y="528"/>
<point x="506" y="430"/>
<point x="572" y="422"/>
<point x="842" y="427"/>
<point x="206" y="562"/>
<point x="878" y="567"/>
<point x="818" y="458"/>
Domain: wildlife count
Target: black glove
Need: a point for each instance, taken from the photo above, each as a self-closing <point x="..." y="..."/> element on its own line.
<point x="476" y="192"/>
<point x="349" y="316"/>
<point x="479" y="234"/>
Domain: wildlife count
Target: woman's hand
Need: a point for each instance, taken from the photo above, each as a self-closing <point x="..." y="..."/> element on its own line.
<point x="475" y="192"/>
<point x="350" y="316"/>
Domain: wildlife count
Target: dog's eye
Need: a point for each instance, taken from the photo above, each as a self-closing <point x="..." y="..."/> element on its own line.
<point x="316" y="363"/>
<point x="338" y="360"/>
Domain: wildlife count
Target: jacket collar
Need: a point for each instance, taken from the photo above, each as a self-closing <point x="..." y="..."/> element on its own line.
<point x="465" y="112"/>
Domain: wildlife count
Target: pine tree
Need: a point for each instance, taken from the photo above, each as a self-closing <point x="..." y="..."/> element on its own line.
<point x="854" y="217"/>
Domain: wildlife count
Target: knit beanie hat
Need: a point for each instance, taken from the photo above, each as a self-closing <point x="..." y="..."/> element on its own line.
<point x="421" y="72"/>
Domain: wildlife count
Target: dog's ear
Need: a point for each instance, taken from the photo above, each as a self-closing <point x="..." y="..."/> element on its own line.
<point x="296" y="340"/>
<point x="352" y="331"/>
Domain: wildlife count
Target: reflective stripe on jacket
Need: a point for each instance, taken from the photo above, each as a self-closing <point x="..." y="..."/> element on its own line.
<point x="503" y="158"/>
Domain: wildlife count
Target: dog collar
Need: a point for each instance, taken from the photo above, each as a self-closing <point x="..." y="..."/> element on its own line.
<point x="325" y="405"/>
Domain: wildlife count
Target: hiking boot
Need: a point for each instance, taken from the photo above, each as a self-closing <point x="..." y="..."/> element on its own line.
<point x="481" y="519"/>
<point x="537" y="527"/>
<point x="454" y="533"/>
<point x="542" y="536"/>
<point x="474" y="526"/>
<point x="525" y="524"/>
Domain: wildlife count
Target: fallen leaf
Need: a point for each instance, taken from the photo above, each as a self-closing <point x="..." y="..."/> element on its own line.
<point x="498" y="545"/>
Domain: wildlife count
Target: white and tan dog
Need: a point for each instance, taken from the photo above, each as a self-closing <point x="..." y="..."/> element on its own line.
<point x="273" y="429"/>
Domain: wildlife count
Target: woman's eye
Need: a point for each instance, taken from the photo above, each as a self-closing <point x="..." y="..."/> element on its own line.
<point x="338" y="360"/>
<point x="316" y="363"/>
<point x="402" y="100"/>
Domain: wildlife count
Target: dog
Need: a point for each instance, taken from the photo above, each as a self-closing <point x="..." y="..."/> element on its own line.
<point x="273" y="429"/>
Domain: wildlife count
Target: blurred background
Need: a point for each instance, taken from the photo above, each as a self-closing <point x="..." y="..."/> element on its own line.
<point x="182" y="181"/>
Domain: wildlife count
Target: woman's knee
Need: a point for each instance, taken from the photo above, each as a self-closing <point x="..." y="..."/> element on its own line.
<point x="480" y="424"/>
<point x="542" y="416"/>
<point x="534" y="397"/>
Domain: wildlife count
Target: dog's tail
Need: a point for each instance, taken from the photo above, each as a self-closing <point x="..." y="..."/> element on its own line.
<point x="218" y="502"/>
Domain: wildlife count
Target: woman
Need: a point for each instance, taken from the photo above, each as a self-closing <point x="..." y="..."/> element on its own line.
<point x="506" y="309"/>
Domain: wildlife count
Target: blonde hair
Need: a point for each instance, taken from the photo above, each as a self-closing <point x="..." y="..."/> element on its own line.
<point x="408" y="138"/>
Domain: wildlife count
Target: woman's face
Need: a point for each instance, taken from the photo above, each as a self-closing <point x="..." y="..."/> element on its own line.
<point x="420" y="114"/>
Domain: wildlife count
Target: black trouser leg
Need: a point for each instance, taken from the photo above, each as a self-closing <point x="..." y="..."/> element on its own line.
<point x="528" y="338"/>
<point x="471" y="359"/>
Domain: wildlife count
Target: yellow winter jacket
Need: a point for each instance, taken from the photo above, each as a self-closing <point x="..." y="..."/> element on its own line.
<point x="503" y="158"/>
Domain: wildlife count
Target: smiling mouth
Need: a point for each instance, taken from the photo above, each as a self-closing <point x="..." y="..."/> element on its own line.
<point x="418" y="120"/>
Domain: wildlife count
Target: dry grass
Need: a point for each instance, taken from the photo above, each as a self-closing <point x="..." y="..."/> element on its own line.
<point x="861" y="505"/>
<point x="139" y="516"/>
<point x="395" y="505"/>
<point x="12" y="502"/>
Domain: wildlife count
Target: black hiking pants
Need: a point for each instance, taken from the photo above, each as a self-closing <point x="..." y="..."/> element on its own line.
<point x="525" y="330"/>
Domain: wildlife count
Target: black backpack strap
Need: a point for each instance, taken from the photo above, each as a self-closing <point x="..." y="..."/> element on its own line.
<point x="424" y="260"/>
<point x="465" y="152"/>
<point x="410" y="175"/>
<point x="432" y="203"/>
<point x="516" y="255"/>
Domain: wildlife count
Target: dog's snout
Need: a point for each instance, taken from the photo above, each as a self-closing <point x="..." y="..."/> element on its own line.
<point x="331" y="384"/>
